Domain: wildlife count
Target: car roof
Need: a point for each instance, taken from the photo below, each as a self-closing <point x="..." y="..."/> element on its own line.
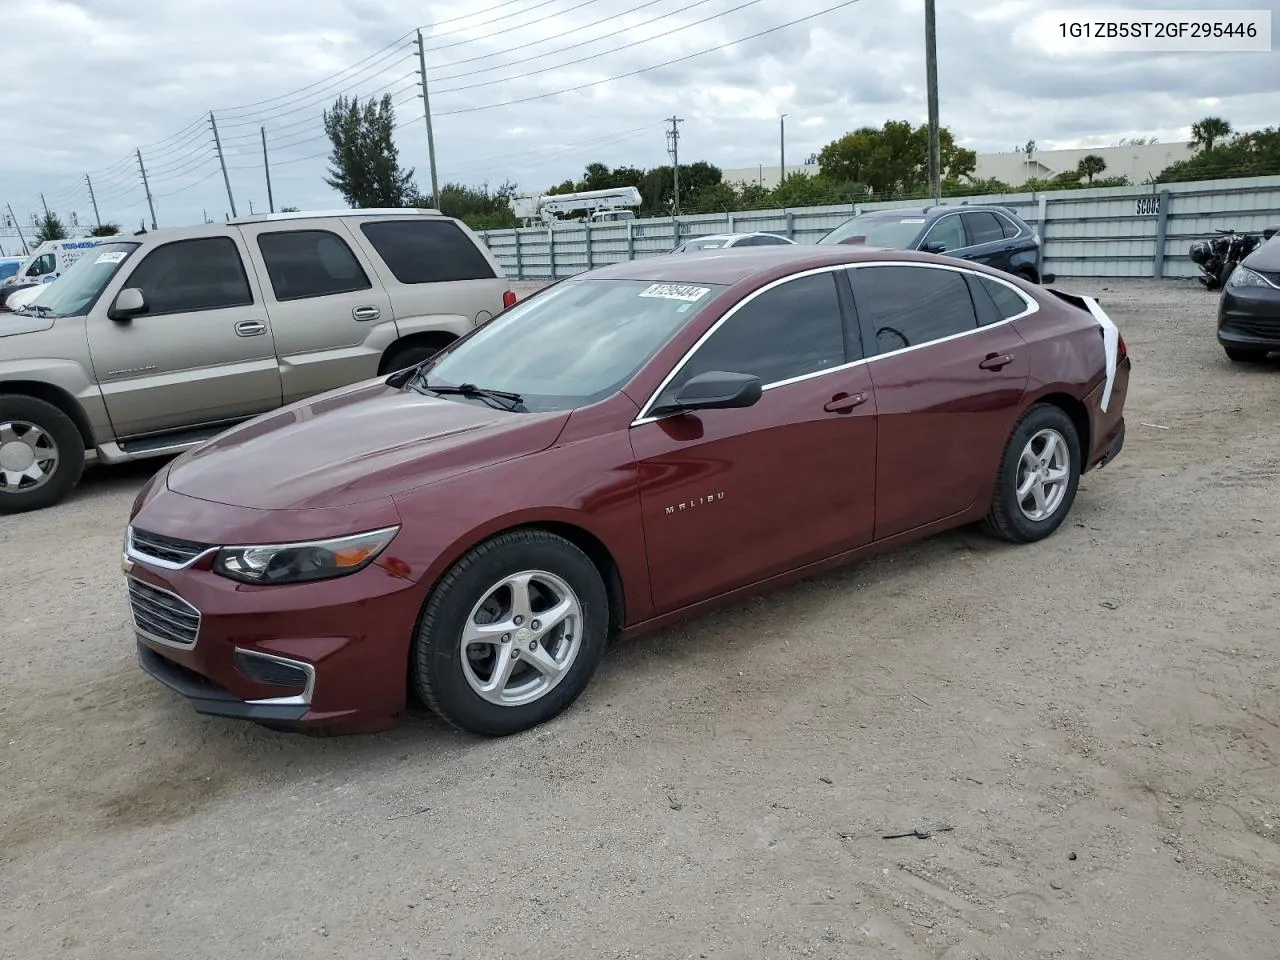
<point x="936" y="210"/>
<point x="737" y="264"/>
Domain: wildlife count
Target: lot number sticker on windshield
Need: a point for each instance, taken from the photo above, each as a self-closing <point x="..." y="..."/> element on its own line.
<point x="111" y="256"/>
<point x="675" y="291"/>
<point x="912" y="220"/>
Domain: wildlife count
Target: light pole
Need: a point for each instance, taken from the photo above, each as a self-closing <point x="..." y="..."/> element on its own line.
<point x="782" y="148"/>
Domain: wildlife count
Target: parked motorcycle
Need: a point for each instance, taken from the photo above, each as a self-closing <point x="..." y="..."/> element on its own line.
<point x="1216" y="258"/>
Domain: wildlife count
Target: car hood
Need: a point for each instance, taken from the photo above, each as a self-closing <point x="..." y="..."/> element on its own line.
<point x="355" y="445"/>
<point x="12" y="324"/>
<point x="1266" y="257"/>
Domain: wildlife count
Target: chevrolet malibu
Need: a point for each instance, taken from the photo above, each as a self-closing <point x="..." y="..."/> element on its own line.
<point x="625" y="448"/>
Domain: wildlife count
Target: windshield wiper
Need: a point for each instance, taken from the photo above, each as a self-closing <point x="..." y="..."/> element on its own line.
<point x="503" y="399"/>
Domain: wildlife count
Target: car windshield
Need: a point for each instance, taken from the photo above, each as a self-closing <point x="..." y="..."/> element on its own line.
<point x="74" y="293"/>
<point x="893" y="230"/>
<point x="573" y="344"/>
<point x="706" y="243"/>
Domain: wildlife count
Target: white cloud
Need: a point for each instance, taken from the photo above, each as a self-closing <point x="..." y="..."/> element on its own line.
<point x="86" y="82"/>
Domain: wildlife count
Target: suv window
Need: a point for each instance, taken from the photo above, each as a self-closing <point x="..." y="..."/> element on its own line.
<point x="427" y="251"/>
<point x="947" y="230"/>
<point x="1010" y="228"/>
<point x="908" y="306"/>
<point x="788" y="331"/>
<point x="1008" y="302"/>
<point x="202" y="274"/>
<point x="982" y="227"/>
<point x="310" y="263"/>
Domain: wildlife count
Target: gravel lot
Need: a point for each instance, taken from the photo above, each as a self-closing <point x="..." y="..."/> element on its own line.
<point x="1096" y="716"/>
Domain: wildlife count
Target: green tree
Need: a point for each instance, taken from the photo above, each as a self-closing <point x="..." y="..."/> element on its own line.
<point x="290" y="210"/>
<point x="893" y="159"/>
<point x="1254" y="154"/>
<point x="1205" y="133"/>
<point x="105" y="230"/>
<point x="1090" y="166"/>
<point x="478" y="207"/>
<point x="50" y="228"/>
<point x="364" y="162"/>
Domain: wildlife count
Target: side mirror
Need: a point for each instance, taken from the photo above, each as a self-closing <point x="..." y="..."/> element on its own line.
<point x="129" y="303"/>
<point x="716" y="390"/>
<point x="934" y="246"/>
<point x="1269" y="232"/>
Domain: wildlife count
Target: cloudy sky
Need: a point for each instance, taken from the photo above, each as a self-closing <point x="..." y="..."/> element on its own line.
<point x="523" y="90"/>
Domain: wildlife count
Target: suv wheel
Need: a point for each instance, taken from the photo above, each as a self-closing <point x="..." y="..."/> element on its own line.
<point x="41" y="454"/>
<point x="410" y="355"/>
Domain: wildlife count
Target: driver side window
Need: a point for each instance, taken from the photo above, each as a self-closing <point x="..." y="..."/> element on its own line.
<point x="43" y="264"/>
<point x="789" y="331"/>
<point x="948" y="231"/>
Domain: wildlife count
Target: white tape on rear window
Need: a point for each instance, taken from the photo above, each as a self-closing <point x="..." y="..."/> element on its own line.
<point x="1110" y="345"/>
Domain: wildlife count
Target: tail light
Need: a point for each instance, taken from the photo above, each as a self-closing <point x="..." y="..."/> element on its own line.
<point x="1123" y="351"/>
<point x="508" y="300"/>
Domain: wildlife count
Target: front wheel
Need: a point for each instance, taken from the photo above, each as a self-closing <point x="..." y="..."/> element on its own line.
<point x="1038" y="476"/>
<point x="41" y="454"/>
<point x="512" y="634"/>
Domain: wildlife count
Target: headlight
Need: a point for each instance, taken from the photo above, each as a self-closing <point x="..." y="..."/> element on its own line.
<point x="1244" y="277"/>
<point x="301" y="562"/>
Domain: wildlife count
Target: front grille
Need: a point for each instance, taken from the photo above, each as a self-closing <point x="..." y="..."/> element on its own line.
<point x="1267" y="328"/>
<point x="162" y="615"/>
<point x="263" y="670"/>
<point x="168" y="549"/>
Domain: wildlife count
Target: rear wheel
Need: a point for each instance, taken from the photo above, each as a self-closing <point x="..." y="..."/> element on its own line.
<point x="512" y="634"/>
<point x="412" y="354"/>
<point x="1029" y="275"/>
<point x="1244" y="355"/>
<point x="1038" y="476"/>
<point x="41" y="454"/>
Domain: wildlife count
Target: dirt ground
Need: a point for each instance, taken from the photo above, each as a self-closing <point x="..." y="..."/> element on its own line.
<point x="1095" y="716"/>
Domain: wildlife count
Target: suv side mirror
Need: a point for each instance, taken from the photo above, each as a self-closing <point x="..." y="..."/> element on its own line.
<point x="128" y="304"/>
<point x="716" y="390"/>
<point x="934" y="246"/>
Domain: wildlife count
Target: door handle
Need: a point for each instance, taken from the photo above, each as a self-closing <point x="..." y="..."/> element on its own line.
<point x="366" y="313"/>
<point x="250" y="328"/>
<point x="843" y="402"/>
<point x="996" y="361"/>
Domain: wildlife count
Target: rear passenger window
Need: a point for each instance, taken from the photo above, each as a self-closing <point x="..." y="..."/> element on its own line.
<point x="1007" y="301"/>
<point x="310" y="263"/>
<point x="983" y="227"/>
<point x="1010" y="228"/>
<point x="188" y="275"/>
<point x="908" y="306"/>
<point x="427" y="251"/>
<point x="789" y="331"/>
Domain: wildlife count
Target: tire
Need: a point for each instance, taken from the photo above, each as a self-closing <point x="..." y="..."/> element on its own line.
<point x="1029" y="276"/>
<point x="473" y="593"/>
<point x="1007" y="518"/>
<point x="30" y="429"/>
<point x="412" y="354"/>
<point x="1244" y="355"/>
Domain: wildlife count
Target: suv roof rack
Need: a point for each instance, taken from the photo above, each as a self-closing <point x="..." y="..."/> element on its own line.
<point x="352" y="212"/>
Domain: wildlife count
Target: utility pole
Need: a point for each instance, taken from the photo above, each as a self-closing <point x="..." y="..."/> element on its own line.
<point x="18" y="226"/>
<point x="45" y="205"/>
<point x="94" y="200"/>
<point x="673" y="148"/>
<point x="931" y="78"/>
<point x="782" y="148"/>
<point x="426" y="112"/>
<point x="226" y="178"/>
<point x="266" y="167"/>
<point x="146" y="187"/>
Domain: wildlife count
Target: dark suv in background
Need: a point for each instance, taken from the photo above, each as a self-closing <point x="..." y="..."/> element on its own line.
<point x="992" y="235"/>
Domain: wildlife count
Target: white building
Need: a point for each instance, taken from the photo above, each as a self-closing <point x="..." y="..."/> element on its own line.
<point x="1138" y="162"/>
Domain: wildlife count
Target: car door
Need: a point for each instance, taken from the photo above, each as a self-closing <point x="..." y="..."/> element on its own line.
<point x="986" y="239"/>
<point x="949" y="232"/>
<point x="331" y="319"/>
<point x="948" y="390"/>
<point x="201" y="353"/>
<point x="732" y="496"/>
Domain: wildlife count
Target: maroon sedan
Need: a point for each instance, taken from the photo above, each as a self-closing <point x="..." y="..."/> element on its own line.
<point x="624" y="448"/>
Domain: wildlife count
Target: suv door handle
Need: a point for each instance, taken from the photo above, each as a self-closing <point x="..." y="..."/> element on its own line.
<point x="365" y="313"/>
<point x="843" y="402"/>
<point x="995" y="361"/>
<point x="250" y="328"/>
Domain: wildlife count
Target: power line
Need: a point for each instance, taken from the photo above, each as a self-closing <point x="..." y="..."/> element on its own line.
<point x="656" y="66"/>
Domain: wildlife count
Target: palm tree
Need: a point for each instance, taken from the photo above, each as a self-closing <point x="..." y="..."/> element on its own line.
<point x="1091" y="165"/>
<point x="1209" y="131"/>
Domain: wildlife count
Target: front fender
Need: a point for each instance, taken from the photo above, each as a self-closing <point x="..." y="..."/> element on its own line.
<point x="71" y="380"/>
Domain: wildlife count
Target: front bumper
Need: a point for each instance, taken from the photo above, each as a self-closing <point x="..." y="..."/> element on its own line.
<point x="209" y="698"/>
<point x="1249" y="317"/>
